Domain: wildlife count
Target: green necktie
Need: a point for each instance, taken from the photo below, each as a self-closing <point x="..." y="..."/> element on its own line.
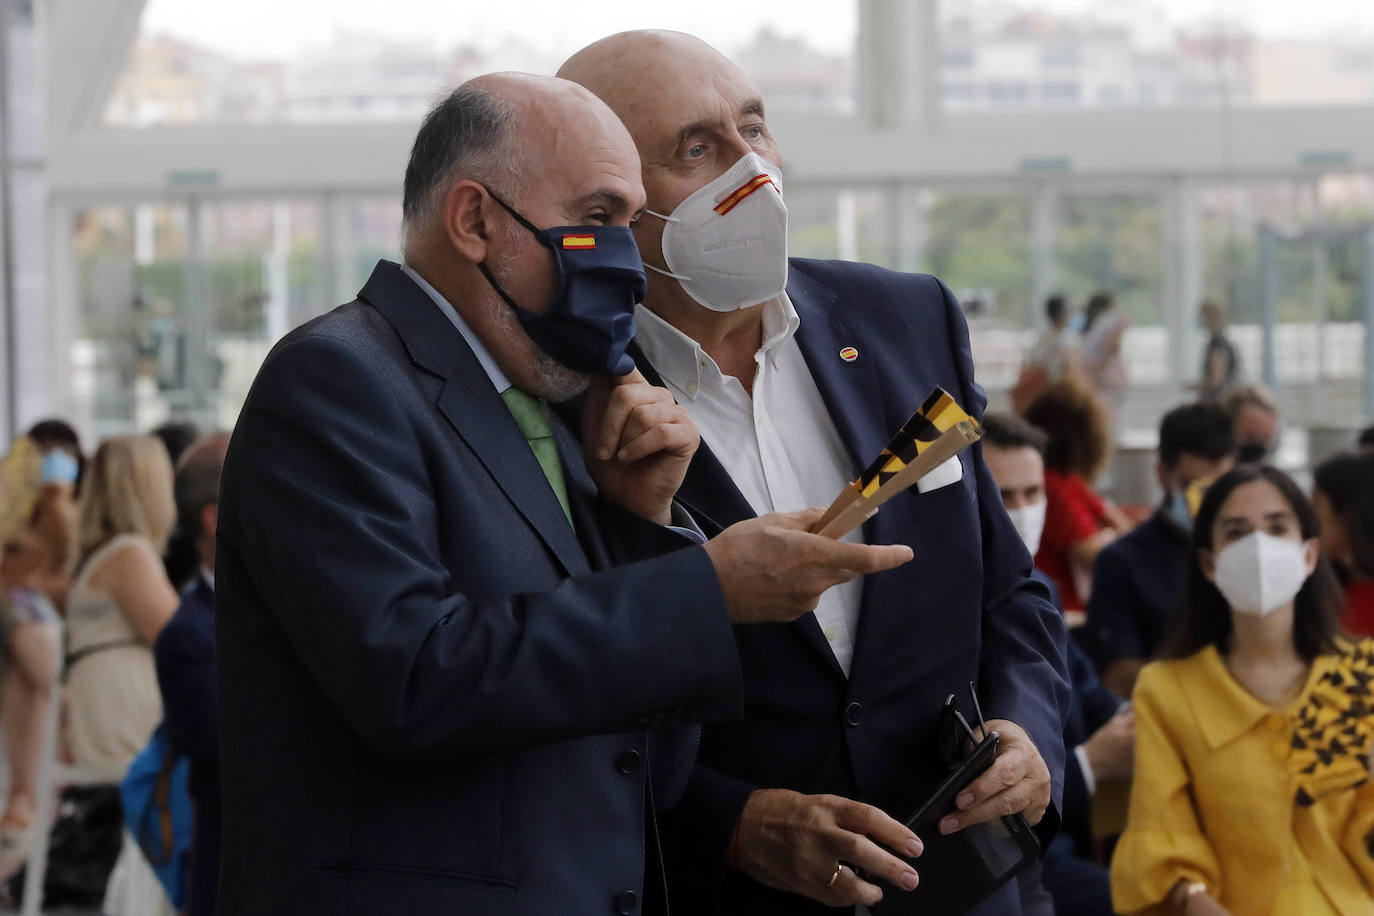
<point x="534" y="423"/>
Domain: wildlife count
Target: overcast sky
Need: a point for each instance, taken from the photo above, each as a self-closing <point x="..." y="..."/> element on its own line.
<point x="270" y="29"/>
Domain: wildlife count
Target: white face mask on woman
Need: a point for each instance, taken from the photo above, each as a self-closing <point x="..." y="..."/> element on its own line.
<point x="727" y="242"/>
<point x="1261" y="573"/>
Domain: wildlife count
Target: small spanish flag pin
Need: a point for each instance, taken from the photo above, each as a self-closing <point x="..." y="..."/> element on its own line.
<point x="849" y="354"/>
<point x="579" y="242"/>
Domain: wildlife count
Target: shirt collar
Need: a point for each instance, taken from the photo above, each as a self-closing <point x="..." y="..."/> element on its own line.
<point x="498" y="378"/>
<point x="680" y="360"/>
<point x="208" y="576"/>
<point x="1225" y="710"/>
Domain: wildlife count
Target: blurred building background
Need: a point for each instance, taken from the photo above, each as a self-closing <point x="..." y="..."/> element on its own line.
<point x="183" y="184"/>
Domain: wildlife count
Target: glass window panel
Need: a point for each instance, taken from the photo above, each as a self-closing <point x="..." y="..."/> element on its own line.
<point x="325" y="61"/>
<point x="1069" y="53"/>
<point x="812" y="222"/>
<point x="1111" y="242"/>
<point x="980" y="247"/>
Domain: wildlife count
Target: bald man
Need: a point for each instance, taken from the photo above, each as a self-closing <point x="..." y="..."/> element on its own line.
<point x="796" y="372"/>
<point x="460" y="656"/>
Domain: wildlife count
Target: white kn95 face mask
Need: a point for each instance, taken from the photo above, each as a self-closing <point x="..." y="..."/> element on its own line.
<point x="1029" y="522"/>
<point x="1260" y="573"/>
<point x="726" y="244"/>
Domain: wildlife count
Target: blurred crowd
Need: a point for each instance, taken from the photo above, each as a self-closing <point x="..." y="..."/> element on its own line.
<point x="107" y="596"/>
<point x="1204" y="630"/>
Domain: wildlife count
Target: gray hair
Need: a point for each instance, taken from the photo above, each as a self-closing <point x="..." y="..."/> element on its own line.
<point x="470" y="134"/>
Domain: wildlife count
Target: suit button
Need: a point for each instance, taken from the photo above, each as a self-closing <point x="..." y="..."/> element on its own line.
<point x="628" y="762"/>
<point x="626" y="902"/>
<point x="854" y="713"/>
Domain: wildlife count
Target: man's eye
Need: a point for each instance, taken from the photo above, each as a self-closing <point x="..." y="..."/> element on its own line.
<point x="696" y="152"/>
<point x="753" y="131"/>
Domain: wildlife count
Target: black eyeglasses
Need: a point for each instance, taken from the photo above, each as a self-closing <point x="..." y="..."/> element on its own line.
<point x="956" y="736"/>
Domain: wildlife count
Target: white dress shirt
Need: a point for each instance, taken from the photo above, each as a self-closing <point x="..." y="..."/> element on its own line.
<point x="780" y="447"/>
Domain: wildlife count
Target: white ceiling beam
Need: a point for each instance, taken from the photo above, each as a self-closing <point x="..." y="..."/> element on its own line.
<point x="1086" y="146"/>
<point x="87" y="49"/>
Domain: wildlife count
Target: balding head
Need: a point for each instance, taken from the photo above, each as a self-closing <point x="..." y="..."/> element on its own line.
<point x="664" y="64"/>
<point x="499" y="129"/>
<point x="693" y="114"/>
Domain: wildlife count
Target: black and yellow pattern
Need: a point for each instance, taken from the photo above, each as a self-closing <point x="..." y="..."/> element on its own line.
<point x="1333" y="731"/>
<point x="939" y="413"/>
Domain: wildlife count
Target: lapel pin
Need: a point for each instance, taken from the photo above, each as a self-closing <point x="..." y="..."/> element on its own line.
<point x="849" y="354"/>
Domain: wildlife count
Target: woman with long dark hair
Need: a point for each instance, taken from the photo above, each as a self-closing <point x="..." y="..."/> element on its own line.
<point x="1252" y="792"/>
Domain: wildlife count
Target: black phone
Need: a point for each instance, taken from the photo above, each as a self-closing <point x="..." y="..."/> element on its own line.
<point x="960" y="871"/>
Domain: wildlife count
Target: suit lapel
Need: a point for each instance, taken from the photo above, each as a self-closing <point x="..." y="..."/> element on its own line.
<point x="859" y="403"/>
<point x="473" y="407"/>
<point x="851" y="390"/>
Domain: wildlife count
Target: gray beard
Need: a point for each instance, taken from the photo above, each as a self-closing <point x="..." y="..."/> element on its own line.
<point x="556" y="382"/>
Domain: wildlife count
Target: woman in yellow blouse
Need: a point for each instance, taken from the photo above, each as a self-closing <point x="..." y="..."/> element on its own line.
<point x="1251" y="794"/>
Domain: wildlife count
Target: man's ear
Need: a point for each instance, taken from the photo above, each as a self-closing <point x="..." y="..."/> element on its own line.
<point x="1162" y="476"/>
<point x="209" y="518"/>
<point x="466" y="211"/>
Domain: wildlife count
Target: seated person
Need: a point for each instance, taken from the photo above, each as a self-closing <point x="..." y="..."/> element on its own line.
<point x="1252" y="794"/>
<point x="1078" y="522"/>
<point x="1075" y="880"/>
<point x="1343" y="495"/>
<point x="1139" y="579"/>
<point x="1255" y="418"/>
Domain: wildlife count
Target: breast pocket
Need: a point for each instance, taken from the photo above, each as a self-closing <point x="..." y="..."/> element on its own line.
<point x="945" y="489"/>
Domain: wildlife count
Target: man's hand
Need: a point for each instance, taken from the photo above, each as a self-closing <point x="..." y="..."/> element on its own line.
<point x="773" y="570"/>
<point x="793" y="842"/>
<point x="1111" y="749"/>
<point x="1017" y="781"/>
<point x="637" y="443"/>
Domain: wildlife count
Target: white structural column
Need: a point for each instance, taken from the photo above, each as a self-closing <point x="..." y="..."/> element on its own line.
<point x="337" y="249"/>
<point x="1044" y="212"/>
<point x="899" y="63"/>
<point x="899" y="90"/>
<point x="1181" y="260"/>
<point x="906" y="225"/>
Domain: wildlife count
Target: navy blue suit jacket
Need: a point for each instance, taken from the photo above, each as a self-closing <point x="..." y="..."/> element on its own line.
<point x="965" y="609"/>
<point x="435" y="696"/>
<point x="185" y="658"/>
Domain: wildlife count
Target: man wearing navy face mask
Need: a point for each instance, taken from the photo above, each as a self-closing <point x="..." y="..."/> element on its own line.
<point x="460" y="658"/>
<point x="796" y="372"/>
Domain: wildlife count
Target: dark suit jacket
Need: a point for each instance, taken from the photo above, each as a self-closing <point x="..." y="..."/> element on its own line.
<point x="964" y="610"/>
<point x="185" y="657"/>
<point x="435" y="696"/>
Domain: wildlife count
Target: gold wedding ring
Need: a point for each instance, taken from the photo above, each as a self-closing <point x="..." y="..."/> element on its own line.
<point x="836" y="876"/>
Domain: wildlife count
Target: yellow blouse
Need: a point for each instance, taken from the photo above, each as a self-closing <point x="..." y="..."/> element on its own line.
<point x="1271" y="808"/>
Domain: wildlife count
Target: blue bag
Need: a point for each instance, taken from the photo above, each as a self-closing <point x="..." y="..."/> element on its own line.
<point x="158" y="812"/>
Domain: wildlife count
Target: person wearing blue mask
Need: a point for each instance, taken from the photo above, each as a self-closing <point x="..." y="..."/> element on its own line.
<point x="460" y="658"/>
<point x="797" y="371"/>
<point x="1138" y="579"/>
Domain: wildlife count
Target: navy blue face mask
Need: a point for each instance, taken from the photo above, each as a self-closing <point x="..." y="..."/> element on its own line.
<point x="591" y="319"/>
